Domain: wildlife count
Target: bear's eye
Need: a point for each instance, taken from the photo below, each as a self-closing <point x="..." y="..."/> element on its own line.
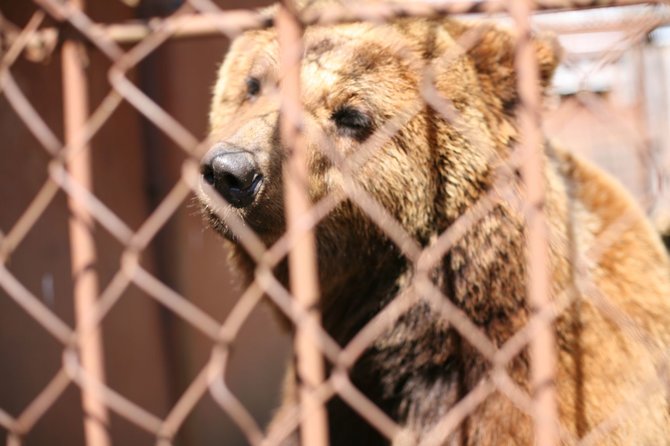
<point x="352" y="122"/>
<point x="253" y="86"/>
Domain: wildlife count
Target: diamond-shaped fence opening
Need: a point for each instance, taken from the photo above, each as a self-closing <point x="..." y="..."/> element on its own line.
<point x="113" y="289"/>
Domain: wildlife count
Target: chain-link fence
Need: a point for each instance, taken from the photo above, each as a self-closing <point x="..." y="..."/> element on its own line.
<point x="102" y="313"/>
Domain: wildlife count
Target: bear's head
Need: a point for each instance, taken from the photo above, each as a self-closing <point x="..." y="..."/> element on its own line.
<point x="414" y="112"/>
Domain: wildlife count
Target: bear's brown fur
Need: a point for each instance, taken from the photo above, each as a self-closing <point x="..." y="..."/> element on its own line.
<point x="426" y="176"/>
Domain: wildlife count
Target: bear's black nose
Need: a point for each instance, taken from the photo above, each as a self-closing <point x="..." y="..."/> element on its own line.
<point x="234" y="175"/>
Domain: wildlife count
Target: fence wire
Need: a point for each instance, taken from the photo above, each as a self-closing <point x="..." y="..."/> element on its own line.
<point x="69" y="171"/>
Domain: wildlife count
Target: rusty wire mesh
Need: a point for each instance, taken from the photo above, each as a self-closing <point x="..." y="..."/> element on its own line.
<point x="69" y="172"/>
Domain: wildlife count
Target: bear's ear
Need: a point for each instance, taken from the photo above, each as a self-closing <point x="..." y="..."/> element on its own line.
<point x="493" y="54"/>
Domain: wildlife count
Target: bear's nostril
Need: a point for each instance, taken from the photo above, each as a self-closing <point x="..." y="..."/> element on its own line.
<point x="207" y="173"/>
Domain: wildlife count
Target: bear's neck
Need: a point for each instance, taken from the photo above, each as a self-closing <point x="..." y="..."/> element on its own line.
<point x="421" y="356"/>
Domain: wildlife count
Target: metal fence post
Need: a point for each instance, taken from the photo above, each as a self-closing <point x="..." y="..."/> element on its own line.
<point x="542" y="348"/>
<point x="302" y="258"/>
<point x="82" y="243"/>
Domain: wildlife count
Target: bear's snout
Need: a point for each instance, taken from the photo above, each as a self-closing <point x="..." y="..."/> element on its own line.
<point x="233" y="172"/>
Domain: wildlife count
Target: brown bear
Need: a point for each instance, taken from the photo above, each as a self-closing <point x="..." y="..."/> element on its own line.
<point x="613" y="330"/>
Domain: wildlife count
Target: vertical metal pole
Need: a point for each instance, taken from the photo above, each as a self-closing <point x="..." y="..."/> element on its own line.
<point x="543" y="346"/>
<point x="302" y="259"/>
<point x="646" y="180"/>
<point x="82" y="244"/>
